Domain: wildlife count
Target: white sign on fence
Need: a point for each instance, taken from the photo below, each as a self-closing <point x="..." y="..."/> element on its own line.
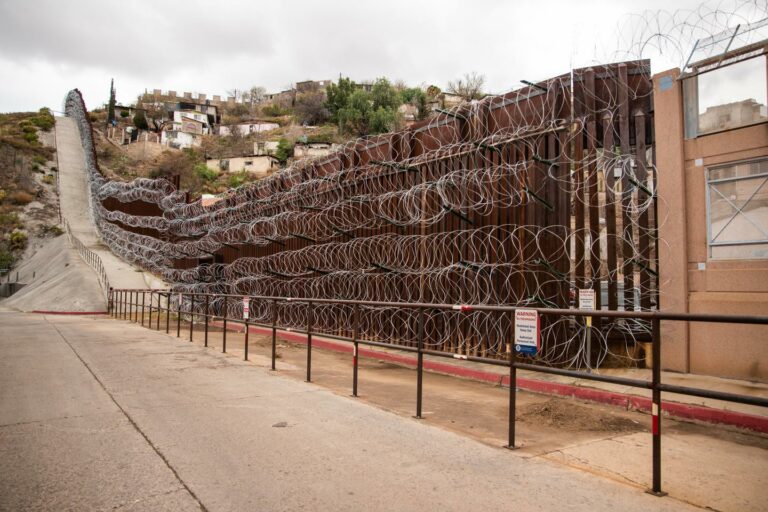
<point x="587" y="299"/>
<point x="246" y="307"/>
<point x="527" y="331"/>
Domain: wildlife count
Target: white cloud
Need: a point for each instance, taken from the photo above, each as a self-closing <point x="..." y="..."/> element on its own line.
<point x="48" y="47"/>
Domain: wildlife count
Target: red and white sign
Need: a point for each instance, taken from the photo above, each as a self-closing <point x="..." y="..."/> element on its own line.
<point x="246" y="307"/>
<point x="527" y="331"/>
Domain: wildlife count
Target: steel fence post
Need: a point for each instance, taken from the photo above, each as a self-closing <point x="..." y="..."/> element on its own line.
<point x="178" y="316"/>
<point x="355" y="353"/>
<point x="420" y="365"/>
<point x="143" y="299"/>
<point x="224" y="334"/>
<point x="246" y="340"/>
<point x="512" y="385"/>
<point x="191" y="316"/>
<point x="151" y="298"/>
<point x="207" y="301"/>
<point x="274" y="332"/>
<point x="656" y="408"/>
<point x="309" y="341"/>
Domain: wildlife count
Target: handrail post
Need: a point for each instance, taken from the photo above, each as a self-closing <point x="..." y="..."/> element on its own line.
<point x="121" y="312"/>
<point x="355" y="353"/>
<point x="309" y="341"/>
<point x="224" y="334"/>
<point x="109" y="301"/>
<point x="178" y="316"/>
<point x="136" y="307"/>
<point x="168" y="313"/>
<point x="132" y="309"/>
<point x="656" y="408"/>
<point x="143" y="298"/>
<point x="191" y="316"/>
<point x="159" y="302"/>
<point x="246" y="339"/>
<point x="512" y="386"/>
<point x="207" y="301"/>
<point x="420" y="365"/>
<point x="274" y="333"/>
<point x="151" y="298"/>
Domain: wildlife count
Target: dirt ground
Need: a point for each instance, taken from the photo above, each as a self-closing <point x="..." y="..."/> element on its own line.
<point x="608" y="441"/>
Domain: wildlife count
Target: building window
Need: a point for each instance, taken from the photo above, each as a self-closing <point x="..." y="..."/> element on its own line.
<point x="726" y="97"/>
<point x="737" y="210"/>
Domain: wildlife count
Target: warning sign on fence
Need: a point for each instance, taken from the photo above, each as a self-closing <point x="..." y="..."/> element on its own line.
<point x="527" y="335"/>
<point x="246" y="307"/>
<point x="587" y="299"/>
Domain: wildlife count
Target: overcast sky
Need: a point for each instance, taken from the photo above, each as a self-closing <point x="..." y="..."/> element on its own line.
<point x="48" y="47"/>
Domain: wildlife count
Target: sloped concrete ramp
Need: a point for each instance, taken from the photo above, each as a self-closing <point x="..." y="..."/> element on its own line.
<point x="75" y="207"/>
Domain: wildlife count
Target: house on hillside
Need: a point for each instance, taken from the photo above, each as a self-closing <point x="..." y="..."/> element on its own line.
<point x="186" y="130"/>
<point x="313" y="149"/>
<point x="256" y="165"/>
<point x="248" y="127"/>
<point x="266" y="147"/>
<point x="312" y="85"/>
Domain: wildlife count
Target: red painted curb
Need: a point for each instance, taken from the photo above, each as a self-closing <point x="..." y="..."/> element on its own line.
<point x="70" y="312"/>
<point x="675" y="409"/>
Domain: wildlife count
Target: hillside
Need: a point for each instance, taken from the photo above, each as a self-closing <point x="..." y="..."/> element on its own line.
<point x="28" y="173"/>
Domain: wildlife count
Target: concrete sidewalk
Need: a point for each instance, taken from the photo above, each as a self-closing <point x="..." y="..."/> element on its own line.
<point x="98" y="414"/>
<point x="680" y="406"/>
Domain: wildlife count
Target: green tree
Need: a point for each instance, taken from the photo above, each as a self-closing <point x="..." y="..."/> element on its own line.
<point x="140" y="120"/>
<point x="384" y="95"/>
<point x="384" y="120"/>
<point x="338" y="97"/>
<point x="284" y="150"/>
<point x="416" y="96"/>
<point x="111" y="105"/>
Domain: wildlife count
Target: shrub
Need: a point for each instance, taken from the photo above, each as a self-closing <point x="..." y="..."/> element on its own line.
<point x="21" y="197"/>
<point x="274" y="110"/>
<point x="10" y="220"/>
<point x="44" y="119"/>
<point x="53" y="230"/>
<point x="284" y="150"/>
<point x="324" y="137"/>
<point x="30" y="137"/>
<point x="124" y="113"/>
<point x="18" y="240"/>
<point x="2" y="194"/>
<point x="49" y="179"/>
<point x="140" y="120"/>
<point x="238" y="179"/>
<point x="6" y="259"/>
<point x="205" y="173"/>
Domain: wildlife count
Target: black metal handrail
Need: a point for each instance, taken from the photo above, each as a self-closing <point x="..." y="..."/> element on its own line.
<point x="92" y="259"/>
<point x="124" y="303"/>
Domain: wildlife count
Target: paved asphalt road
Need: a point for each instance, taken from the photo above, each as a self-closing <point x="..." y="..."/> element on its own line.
<point x="99" y="414"/>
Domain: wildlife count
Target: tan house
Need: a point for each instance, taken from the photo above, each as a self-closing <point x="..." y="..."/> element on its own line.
<point x="258" y="165"/>
<point x="711" y="131"/>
